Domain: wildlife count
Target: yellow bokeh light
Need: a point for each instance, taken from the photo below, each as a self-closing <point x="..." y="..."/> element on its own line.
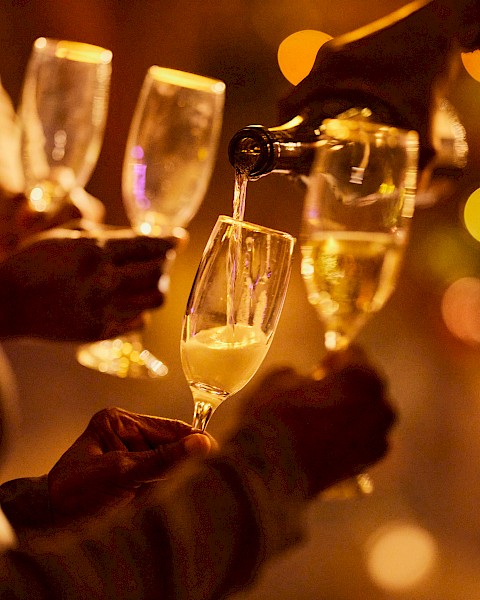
<point x="146" y="228"/>
<point x="471" y="62"/>
<point x="471" y="214"/>
<point x="400" y="556"/>
<point x="297" y="53"/>
<point x="38" y="200"/>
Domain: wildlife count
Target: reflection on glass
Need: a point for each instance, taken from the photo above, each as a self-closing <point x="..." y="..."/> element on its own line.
<point x="62" y="113"/>
<point x="356" y="218"/>
<point x="169" y="160"/>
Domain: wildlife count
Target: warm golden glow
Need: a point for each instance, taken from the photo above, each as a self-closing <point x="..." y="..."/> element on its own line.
<point x="295" y="122"/>
<point x="146" y="228"/>
<point x="38" y="200"/>
<point x="297" y="52"/>
<point x="400" y="556"/>
<point x="471" y="62"/>
<point x="187" y="80"/>
<point x="122" y="358"/>
<point x="382" y="23"/>
<point x="77" y="51"/>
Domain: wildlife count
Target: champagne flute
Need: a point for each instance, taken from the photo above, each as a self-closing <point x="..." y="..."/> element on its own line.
<point x="358" y="208"/>
<point x="233" y="310"/>
<point x="62" y="113"/>
<point x="169" y="159"/>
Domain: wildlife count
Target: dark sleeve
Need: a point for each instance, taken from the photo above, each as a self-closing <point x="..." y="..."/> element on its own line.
<point x="200" y="535"/>
<point x="468" y="20"/>
<point x="25" y="503"/>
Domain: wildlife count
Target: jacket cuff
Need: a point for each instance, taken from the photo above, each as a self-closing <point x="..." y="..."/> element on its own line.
<point x="26" y="503"/>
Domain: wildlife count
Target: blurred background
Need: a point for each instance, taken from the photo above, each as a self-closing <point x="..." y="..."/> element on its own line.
<point x="418" y="536"/>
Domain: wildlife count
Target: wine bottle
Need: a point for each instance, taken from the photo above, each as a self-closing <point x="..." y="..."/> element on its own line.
<point x="289" y="149"/>
<point x="256" y="150"/>
<point x="368" y="67"/>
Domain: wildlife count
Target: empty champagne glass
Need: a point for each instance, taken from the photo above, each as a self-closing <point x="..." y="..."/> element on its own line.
<point x="357" y="213"/>
<point x="169" y="159"/>
<point x="233" y="310"/>
<point x="62" y="113"/>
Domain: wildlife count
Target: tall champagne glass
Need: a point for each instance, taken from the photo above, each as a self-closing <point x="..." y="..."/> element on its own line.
<point x="62" y="112"/>
<point x="357" y="212"/>
<point x="233" y="310"/>
<point x="169" y="159"/>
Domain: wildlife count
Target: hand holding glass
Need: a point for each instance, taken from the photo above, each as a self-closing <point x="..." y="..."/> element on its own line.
<point x="357" y="213"/>
<point x="169" y="159"/>
<point x="233" y="310"/>
<point x="62" y="113"/>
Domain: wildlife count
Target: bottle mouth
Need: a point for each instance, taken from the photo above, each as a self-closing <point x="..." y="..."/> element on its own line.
<point x="251" y="151"/>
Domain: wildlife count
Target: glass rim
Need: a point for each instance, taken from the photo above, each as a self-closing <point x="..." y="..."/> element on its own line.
<point x="256" y="227"/>
<point x="187" y="80"/>
<point x="73" y="50"/>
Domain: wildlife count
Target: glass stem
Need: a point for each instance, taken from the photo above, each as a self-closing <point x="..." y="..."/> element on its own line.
<point x="201" y="415"/>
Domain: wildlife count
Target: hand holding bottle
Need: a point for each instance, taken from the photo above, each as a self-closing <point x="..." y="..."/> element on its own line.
<point x="399" y="67"/>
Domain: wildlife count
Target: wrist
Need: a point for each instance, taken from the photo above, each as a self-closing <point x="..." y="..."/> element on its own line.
<point x="268" y="450"/>
<point x="25" y="502"/>
<point x="269" y="483"/>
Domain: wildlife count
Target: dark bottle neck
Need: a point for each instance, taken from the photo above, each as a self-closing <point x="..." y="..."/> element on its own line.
<point x="256" y="150"/>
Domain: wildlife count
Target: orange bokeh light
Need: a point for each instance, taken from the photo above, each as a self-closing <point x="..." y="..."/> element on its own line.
<point x="297" y="53"/>
<point x="471" y="62"/>
<point x="461" y="310"/>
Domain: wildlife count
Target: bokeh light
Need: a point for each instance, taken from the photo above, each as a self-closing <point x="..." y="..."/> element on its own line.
<point x="400" y="556"/>
<point x="471" y="214"/>
<point x="440" y="256"/>
<point x="297" y="53"/>
<point x="471" y="62"/>
<point x="461" y="309"/>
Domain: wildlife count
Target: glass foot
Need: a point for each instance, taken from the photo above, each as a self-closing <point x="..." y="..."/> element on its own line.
<point x="121" y="357"/>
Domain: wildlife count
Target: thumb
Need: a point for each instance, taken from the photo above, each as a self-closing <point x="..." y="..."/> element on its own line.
<point x="196" y="444"/>
<point x="152" y="465"/>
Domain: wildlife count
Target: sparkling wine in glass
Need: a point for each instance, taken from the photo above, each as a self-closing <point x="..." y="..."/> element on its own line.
<point x="233" y="310"/>
<point x="169" y="159"/>
<point x="357" y="213"/>
<point x="62" y="113"/>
